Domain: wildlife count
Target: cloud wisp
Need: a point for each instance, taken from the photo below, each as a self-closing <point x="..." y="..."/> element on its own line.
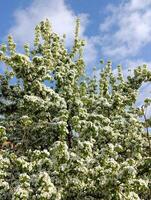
<point x="62" y="18"/>
<point x="126" y="29"/>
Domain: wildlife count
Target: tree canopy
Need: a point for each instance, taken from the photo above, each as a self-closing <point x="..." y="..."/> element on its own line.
<point x="66" y="135"/>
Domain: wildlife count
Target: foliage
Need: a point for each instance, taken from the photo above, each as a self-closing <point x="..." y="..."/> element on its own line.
<point x="66" y="136"/>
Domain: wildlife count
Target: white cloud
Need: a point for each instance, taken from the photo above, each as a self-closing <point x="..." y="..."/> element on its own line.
<point x="90" y="51"/>
<point x="62" y="18"/>
<point x="139" y="4"/>
<point x="126" y="29"/>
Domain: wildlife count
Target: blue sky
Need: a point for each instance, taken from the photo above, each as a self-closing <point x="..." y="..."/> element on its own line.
<point x="119" y="30"/>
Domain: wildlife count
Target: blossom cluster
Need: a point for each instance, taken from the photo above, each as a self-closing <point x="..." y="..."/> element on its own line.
<point x="64" y="135"/>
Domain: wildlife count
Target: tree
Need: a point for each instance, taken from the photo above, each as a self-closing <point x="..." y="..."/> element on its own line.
<point x="64" y="135"/>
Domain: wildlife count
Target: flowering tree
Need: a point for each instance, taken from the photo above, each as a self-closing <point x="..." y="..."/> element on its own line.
<point x="66" y="136"/>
